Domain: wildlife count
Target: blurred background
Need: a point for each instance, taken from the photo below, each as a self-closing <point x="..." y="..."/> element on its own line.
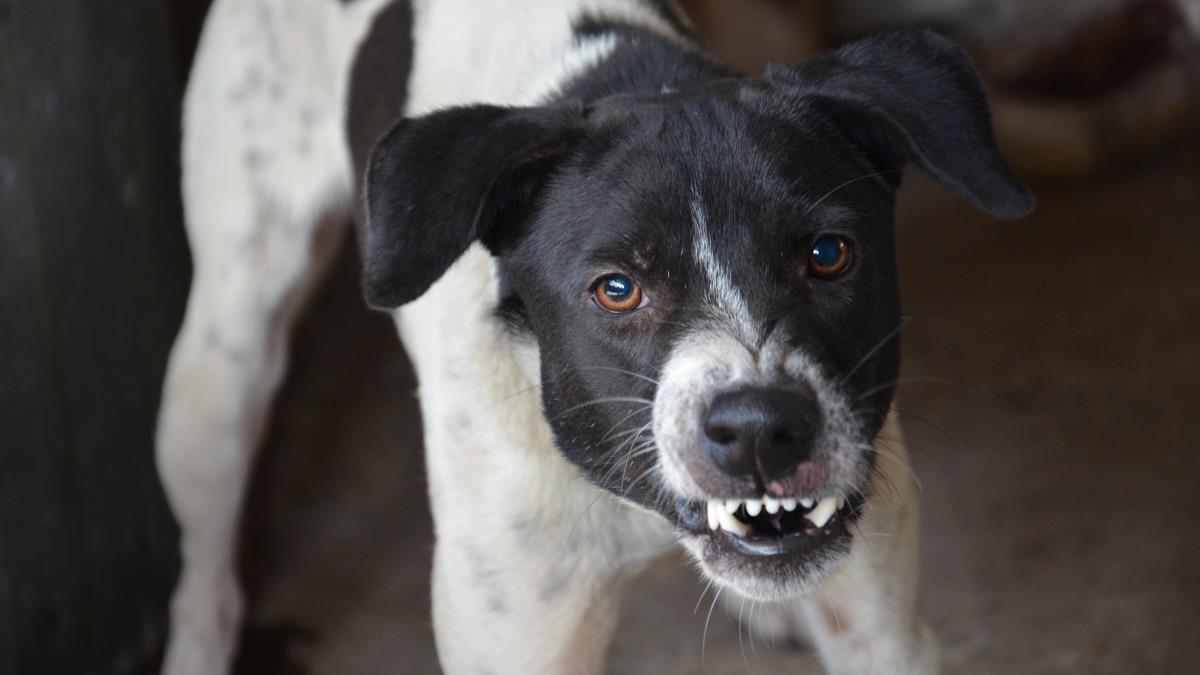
<point x="1052" y="414"/>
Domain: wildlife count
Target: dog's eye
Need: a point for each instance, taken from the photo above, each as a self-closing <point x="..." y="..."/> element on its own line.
<point x="829" y="256"/>
<point x="617" y="293"/>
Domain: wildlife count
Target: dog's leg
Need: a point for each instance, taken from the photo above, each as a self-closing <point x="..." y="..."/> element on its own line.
<point x="266" y="181"/>
<point x="530" y="557"/>
<point x="541" y="593"/>
<point x="863" y="618"/>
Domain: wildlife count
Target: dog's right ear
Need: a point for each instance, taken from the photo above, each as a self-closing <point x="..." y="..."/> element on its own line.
<point x="437" y="183"/>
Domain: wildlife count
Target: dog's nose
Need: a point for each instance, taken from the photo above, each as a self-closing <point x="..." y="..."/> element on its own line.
<point x="760" y="430"/>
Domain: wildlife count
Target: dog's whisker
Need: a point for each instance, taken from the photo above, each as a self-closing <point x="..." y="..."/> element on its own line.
<point x="621" y="370"/>
<point x="639" y="479"/>
<point x="894" y="494"/>
<point x="829" y="194"/>
<point x="879" y="345"/>
<point x="621" y="421"/>
<point x="888" y="453"/>
<point x="571" y="533"/>
<point x="750" y="627"/>
<point x="915" y="380"/>
<point x="511" y="396"/>
<point x="704" y="636"/>
<point x="609" y="399"/>
<point x="917" y="447"/>
<point x="836" y="617"/>
<point x="702" y="594"/>
<point x="742" y="647"/>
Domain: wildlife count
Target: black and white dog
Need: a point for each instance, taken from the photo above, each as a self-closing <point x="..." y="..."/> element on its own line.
<point x="648" y="302"/>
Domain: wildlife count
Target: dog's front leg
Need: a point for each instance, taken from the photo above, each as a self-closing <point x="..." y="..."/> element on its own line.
<point x="863" y="619"/>
<point x="528" y="570"/>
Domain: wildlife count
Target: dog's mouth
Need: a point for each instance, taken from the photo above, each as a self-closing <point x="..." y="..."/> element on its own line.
<point x="766" y="526"/>
<point x="770" y="548"/>
<point x="771" y="539"/>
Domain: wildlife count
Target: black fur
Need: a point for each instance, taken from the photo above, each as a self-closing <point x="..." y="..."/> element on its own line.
<point x="438" y="183"/>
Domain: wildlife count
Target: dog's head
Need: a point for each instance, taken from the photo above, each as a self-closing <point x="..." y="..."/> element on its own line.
<point x="707" y="275"/>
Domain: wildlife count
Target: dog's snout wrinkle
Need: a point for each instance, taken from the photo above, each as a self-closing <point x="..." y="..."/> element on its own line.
<point x="761" y="433"/>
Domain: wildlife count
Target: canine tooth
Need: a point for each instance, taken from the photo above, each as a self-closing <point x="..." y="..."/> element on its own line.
<point x="713" y="520"/>
<point x="730" y="523"/>
<point x="771" y="504"/>
<point x="732" y="505"/>
<point x="841" y="502"/>
<point x="753" y="507"/>
<point x="807" y="502"/>
<point x="822" y="512"/>
<point x="789" y="504"/>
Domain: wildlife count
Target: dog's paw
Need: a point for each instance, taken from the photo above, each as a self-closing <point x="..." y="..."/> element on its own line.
<point x="206" y="617"/>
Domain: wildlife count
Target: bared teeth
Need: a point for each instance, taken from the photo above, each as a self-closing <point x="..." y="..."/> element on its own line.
<point x="721" y="516"/>
<point x="723" y="513"/>
<point x="822" y="512"/>
<point x="730" y="523"/>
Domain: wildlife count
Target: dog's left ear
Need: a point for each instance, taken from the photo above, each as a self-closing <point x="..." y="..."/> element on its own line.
<point x="438" y="183"/>
<point x="913" y="95"/>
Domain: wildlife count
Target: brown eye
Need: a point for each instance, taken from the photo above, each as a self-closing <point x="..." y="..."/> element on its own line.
<point x="617" y="293"/>
<point x="829" y="256"/>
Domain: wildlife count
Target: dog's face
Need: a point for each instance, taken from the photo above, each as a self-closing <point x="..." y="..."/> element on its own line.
<point x="707" y="276"/>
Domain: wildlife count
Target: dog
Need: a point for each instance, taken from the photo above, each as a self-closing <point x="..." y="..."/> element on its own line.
<point x="650" y="304"/>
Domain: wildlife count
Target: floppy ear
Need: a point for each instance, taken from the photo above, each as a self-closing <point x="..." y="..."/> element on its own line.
<point x="914" y="95"/>
<point x="435" y="184"/>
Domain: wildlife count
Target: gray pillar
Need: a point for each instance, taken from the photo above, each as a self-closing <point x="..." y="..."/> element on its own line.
<point x="93" y="276"/>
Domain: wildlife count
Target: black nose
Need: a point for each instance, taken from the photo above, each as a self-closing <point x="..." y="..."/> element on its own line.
<point x="764" y="431"/>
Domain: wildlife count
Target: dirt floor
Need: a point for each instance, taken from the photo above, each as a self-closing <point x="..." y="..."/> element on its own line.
<point x="1059" y="450"/>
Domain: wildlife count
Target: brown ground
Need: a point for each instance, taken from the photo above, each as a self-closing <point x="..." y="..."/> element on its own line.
<point x="1060" y="501"/>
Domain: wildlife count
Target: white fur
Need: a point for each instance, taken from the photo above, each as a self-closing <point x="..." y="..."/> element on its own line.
<point x="528" y="553"/>
<point x="727" y="296"/>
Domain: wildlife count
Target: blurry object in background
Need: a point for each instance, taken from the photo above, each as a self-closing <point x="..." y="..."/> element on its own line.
<point x="1094" y="59"/>
<point x="93" y="274"/>
<point x="976" y="20"/>
<point x="1118" y="88"/>
<point x="1079" y="86"/>
<point x="748" y="34"/>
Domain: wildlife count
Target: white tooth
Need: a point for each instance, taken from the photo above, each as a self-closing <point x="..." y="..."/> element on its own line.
<point x="730" y="523"/>
<point x="732" y="505"/>
<point x="713" y="520"/>
<point x="841" y="502"/>
<point x="771" y="504"/>
<point x="822" y="512"/>
<point x="807" y="502"/>
<point x="789" y="504"/>
<point x="753" y="507"/>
